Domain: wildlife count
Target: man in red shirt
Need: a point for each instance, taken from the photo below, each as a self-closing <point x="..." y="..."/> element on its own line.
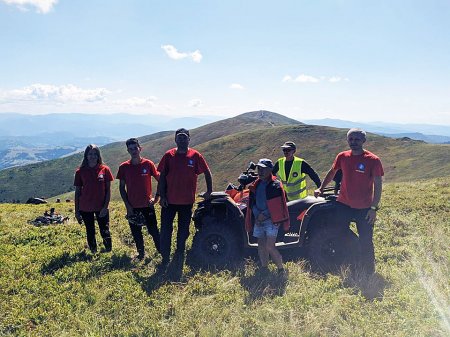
<point x="136" y="191"/>
<point x="179" y="168"/>
<point x="360" y="192"/>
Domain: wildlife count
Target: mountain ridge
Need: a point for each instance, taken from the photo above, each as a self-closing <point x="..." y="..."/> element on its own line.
<point x="228" y="145"/>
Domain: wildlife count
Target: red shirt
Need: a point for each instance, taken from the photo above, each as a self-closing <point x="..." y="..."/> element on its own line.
<point x="138" y="180"/>
<point x="93" y="188"/>
<point x="181" y="170"/>
<point x="358" y="173"/>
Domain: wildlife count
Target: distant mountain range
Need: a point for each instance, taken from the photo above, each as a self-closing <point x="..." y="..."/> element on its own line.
<point x="439" y="134"/>
<point x="26" y="139"/>
<point x="229" y="145"/>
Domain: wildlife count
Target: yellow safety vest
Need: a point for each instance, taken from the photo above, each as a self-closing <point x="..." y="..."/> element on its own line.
<point x="295" y="184"/>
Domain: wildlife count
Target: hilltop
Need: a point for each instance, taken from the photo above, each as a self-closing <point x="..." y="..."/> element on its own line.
<point x="229" y="144"/>
<point x="55" y="177"/>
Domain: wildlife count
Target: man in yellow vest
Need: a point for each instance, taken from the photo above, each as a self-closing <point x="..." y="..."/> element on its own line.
<point x="292" y="171"/>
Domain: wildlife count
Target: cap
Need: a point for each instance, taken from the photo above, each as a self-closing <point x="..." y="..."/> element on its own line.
<point x="182" y="131"/>
<point x="289" y="145"/>
<point x="264" y="162"/>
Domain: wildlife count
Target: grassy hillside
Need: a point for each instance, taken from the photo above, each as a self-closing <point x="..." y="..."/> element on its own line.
<point x="56" y="177"/>
<point x="229" y="145"/>
<point x="403" y="160"/>
<point x="50" y="286"/>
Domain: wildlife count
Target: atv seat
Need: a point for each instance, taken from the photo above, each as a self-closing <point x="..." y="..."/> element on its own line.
<point x="215" y="195"/>
<point x="297" y="206"/>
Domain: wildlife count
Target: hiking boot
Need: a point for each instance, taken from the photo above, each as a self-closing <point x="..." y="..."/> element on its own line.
<point x="108" y="244"/>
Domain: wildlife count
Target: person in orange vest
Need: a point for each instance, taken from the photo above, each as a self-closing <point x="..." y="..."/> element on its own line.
<point x="268" y="211"/>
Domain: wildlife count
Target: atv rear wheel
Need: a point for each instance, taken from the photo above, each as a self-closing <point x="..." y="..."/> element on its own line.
<point x="215" y="246"/>
<point x="329" y="249"/>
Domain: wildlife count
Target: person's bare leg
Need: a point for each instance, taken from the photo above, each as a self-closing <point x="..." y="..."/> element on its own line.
<point x="262" y="252"/>
<point x="273" y="252"/>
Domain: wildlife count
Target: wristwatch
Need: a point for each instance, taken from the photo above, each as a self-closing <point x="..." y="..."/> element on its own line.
<point x="375" y="208"/>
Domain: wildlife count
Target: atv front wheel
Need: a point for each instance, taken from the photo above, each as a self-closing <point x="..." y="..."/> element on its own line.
<point x="215" y="246"/>
<point x="329" y="249"/>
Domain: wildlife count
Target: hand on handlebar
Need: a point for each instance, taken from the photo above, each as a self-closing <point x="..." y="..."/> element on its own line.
<point x="205" y="195"/>
<point x="318" y="192"/>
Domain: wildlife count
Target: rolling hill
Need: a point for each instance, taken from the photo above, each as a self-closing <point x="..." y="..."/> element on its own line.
<point x="229" y="144"/>
<point x="55" y="177"/>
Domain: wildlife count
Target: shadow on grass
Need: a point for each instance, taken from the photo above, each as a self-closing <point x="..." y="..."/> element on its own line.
<point x="117" y="262"/>
<point x="173" y="272"/>
<point x="371" y="286"/>
<point x="264" y="284"/>
<point x="64" y="260"/>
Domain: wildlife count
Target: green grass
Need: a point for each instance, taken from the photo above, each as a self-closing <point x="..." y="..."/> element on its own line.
<point x="50" y="286"/>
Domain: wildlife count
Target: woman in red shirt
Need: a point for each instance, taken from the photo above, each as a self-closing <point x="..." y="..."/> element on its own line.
<point x="92" y="194"/>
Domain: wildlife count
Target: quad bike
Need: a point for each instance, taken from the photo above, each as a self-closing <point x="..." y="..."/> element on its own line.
<point x="221" y="240"/>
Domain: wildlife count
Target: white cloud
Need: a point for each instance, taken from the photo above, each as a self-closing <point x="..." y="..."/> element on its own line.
<point x="195" y="103"/>
<point x="57" y="94"/>
<point x="236" y="86"/>
<point x="174" y="54"/>
<point x="196" y="56"/>
<point x="334" y="79"/>
<point x="137" y="101"/>
<point x="41" y="6"/>
<point x="301" y="79"/>
<point x="47" y="98"/>
<point x="312" y="79"/>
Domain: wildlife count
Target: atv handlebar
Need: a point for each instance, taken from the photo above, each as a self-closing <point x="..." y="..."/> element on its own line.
<point x="328" y="192"/>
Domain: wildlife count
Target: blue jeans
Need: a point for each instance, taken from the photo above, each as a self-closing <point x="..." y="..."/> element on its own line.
<point x="265" y="228"/>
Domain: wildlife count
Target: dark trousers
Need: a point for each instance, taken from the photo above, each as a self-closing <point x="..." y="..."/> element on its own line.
<point x="152" y="227"/>
<point x="184" y="219"/>
<point x="103" y="224"/>
<point x="345" y="215"/>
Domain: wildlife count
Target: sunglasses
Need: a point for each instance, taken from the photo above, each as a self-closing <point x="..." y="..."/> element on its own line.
<point x="287" y="150"/>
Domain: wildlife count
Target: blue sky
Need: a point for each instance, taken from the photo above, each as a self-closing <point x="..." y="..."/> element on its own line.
<point x="356" y="60"/>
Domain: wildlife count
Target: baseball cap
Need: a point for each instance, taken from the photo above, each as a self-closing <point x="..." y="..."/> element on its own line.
<point x="182" y="131"/>
<point x="264" y="162"/>
<point x="289" y="145"/>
